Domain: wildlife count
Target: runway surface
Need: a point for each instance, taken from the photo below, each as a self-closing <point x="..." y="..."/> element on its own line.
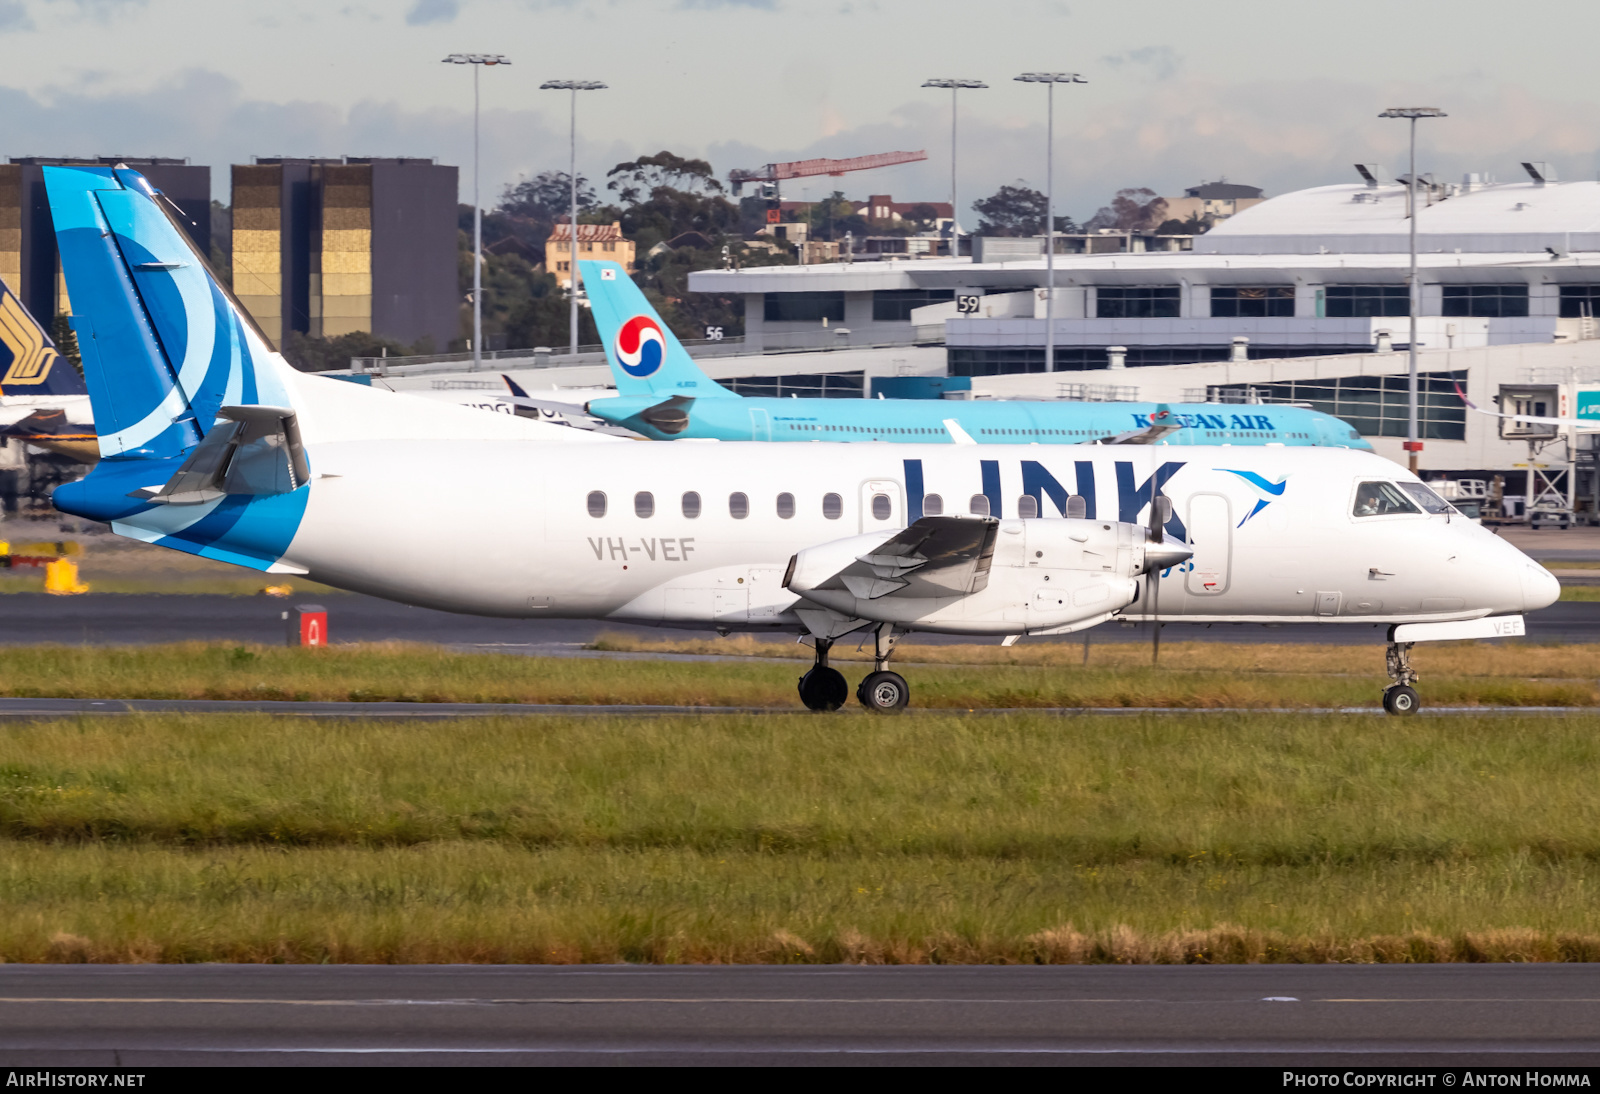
<point x="1284" y="1015"/>
<point x="117" y="619"/>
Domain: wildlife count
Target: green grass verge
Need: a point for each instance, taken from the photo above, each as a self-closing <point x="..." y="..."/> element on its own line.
<point x="802" y="838"/>
<point x="1200" y="675"/>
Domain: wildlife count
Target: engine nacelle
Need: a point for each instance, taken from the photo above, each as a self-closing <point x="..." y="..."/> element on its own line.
<point x="1008" y="577"/>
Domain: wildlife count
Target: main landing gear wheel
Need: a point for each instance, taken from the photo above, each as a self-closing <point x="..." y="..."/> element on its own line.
<point x="1401" y="699"/>
<point x="823" y="688"/>
<point x="884" y="693"/>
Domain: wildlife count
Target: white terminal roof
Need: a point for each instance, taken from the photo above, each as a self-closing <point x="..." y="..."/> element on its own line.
<point x="1334" y="233"/>
<point x="1156" y="267"/>
<point x="1358" y="219"/>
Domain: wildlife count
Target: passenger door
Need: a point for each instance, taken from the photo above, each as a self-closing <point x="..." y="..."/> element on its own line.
<point x="760" y="426"/>
<point x="1210" y="523"/>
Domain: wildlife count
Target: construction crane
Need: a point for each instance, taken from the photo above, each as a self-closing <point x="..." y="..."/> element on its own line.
<point x="773" y="173"/>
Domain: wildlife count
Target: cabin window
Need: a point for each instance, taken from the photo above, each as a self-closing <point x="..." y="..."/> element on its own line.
<point x="881" y="507"/>
<point x="1027" y="507"/>
<point x="832" y="506"/>
<point x="932" y="505"/>
<point x="597" y="503"/>
<point x="1381" y="499"/>
<point x="738" y="506"/>
<point x="785" y="506"/>
<point x="691" y="505"/>
<point x="978" y="506"/>
<point x="644" y="504"/>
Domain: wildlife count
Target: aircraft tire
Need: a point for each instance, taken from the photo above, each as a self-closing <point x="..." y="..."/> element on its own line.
<point x="823" y="689"/>
<point x="884" y="693"/>
<point x="1401" y="700"/>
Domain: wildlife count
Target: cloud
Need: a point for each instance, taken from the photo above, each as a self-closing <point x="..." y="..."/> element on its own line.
<point x="710" y="5"/>
<point x="103" y="10"/>
<point x="424" y="12"/>
<point x="1158" y="62"/>
<point x="14" y="16"/>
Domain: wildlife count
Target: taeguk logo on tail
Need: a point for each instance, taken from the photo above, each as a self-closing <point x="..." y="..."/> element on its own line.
<point x="640" y="346"/>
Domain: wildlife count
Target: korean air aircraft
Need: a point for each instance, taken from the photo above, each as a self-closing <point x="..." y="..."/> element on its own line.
<point x="42" y="398"/>
<point x="212" y="445"/>
<point x="663" y="395"/>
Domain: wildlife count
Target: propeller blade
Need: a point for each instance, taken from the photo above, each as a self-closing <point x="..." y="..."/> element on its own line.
<point x="1160" y="513"/>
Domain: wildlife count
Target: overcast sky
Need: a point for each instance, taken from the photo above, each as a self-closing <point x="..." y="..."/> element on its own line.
<point x="1276" y="95"/>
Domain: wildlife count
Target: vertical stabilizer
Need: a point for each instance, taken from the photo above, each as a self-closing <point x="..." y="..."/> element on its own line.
<point x="164" y="346"/>
<point x="646" y="358"/>
<point x="29" y="362"/>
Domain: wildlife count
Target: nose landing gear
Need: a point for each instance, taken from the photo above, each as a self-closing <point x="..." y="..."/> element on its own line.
<point x="823" y="688"/>
<point x="884" y="692"/>
<point x="1401" y="698"/>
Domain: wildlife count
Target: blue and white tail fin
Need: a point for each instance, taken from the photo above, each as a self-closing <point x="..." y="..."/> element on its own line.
<point x="164" y="346"/>
<point x="29" y="361"/>
<point x="646" y="357"/>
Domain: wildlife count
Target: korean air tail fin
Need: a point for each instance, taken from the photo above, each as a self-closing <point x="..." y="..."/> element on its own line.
<point x="29" y="361"/>
<point x="646" y="358"/>
<point x="165" y="347"/>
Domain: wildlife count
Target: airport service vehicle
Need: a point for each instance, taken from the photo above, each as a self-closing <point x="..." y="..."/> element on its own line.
<point x="663" y="395"/>
<point x="42" y="398"/>
<point x="212" y="445"/>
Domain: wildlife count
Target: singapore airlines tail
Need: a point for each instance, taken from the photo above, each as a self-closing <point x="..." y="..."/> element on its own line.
<point x="29" y="362"/>
<point x="646" y="357"/>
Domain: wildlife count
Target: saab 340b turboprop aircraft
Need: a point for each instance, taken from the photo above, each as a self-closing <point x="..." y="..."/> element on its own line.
<point x="212" y="445"/>
<point x="664" y="395"/>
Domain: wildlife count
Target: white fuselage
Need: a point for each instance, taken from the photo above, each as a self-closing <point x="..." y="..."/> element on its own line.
<point x="504" y="527"/>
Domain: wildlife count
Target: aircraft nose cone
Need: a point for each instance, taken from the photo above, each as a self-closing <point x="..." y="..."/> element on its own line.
<point x="1540" y="589"/>
<point x="1170" y="552"/>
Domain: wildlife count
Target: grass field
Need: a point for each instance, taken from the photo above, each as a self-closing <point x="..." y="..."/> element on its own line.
<point x="948" y="677"/>
<point x="931" y="837"/>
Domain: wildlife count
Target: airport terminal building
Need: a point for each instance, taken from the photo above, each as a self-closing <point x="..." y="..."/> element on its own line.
<point x="1314" y="272"/>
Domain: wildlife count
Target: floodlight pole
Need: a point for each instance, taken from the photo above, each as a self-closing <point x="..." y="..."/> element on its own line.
<point x="955" y="224"/>
<point x="476" y="60"/>
<point x="1050" y="80"/>
<point x="573" y="86"/>
<point x="1413" y="444"/>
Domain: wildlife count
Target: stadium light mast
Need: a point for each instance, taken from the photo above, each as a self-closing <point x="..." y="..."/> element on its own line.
<point x="955" y="223"/>
<point x="573" y="86"/>
<point x="1413" y="441"/>
<point x="1050" y="80"/>
<point x="477" y="61"/>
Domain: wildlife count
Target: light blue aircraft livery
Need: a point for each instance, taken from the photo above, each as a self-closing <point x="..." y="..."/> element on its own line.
<point x="662" y="394"/>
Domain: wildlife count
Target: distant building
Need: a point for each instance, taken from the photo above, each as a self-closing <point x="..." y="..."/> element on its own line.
<point x="29" y="261"/>
<point x="1310" y="273"/>
<point x="1217" y="200"/>
<point x="884" y="207"/>
<point x="333" y="246"/>
<point x="598" y="241"/>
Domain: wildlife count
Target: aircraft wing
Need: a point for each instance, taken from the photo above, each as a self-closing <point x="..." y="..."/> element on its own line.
<point x="934" y="557"/>
<point x="51" y="430"/>
<point x="1162" y="423"/>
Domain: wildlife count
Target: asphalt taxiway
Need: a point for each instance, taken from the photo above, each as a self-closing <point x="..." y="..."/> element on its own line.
<point x="99" y="619"/>
<point x="1279" y="1015"/>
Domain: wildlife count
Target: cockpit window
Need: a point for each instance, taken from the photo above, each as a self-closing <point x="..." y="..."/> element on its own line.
<point x="1430" y="502"/>
<point x="1381" y="499"/>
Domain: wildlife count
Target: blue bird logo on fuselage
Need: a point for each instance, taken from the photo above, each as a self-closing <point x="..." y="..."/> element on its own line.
<point x="1273" y="490"/>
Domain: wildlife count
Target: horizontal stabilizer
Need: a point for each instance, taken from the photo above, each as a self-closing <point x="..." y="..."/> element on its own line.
<point x="255" y="450"/>
<point x="1162" y="423"/>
